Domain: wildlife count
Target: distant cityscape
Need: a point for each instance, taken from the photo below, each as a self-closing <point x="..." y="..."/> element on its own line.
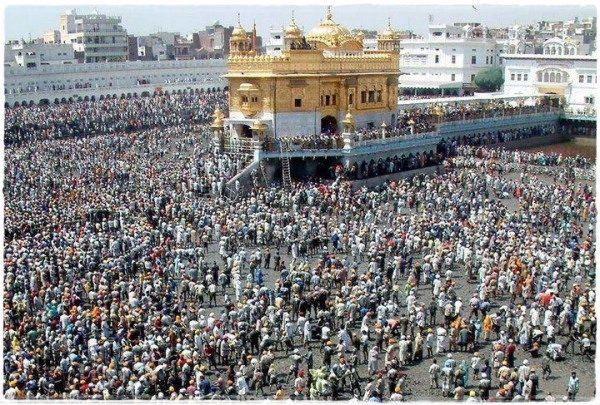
<point x="90" y="38"/>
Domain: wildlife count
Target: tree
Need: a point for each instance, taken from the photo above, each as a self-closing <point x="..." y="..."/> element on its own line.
<point x="490" y="79"/>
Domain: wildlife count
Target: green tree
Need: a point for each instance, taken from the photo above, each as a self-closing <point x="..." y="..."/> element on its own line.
<point x="490" y="79"/>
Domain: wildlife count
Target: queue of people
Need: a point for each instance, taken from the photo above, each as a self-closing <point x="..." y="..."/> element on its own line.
<point x="411" y="121"/>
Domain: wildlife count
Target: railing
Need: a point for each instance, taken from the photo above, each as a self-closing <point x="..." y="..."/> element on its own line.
<point x="396" y="139"/>
<point x="400" y="138"/>
<point x="238" y="145"/>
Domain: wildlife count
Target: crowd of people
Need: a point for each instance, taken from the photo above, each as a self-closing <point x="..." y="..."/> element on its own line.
<point x="130" y="275"/>
<point x="109" y="116"/>
<point x="55" y="183"/>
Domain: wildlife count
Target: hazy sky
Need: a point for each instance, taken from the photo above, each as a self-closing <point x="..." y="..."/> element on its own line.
<point x="25" y="21"/>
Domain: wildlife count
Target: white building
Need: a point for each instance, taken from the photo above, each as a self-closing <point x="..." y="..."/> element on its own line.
<point x="447" y="60"/>
<point x="95" y="37"/>
<point x="370" y="44"/>
<point x="51" y="37"/>
<point x="56" y="83"/>
<point x="564" y="46"/>
<point x="34" y="55"/>
<point x="275" y="42"/>
<point x="571" y="76"/>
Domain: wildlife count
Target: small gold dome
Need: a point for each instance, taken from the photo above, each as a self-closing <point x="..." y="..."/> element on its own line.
<point x="329" y="32"/>
<point x="348" y="119"/>
<point x="388" y="32"/>
<point x="246" y="87"/>
<point x="217" y="119"/>
<point x="239" y="32"/>
<point x="218" y="113"/>
<point x="292" y="30"/>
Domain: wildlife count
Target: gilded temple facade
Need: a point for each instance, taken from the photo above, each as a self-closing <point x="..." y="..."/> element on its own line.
<point x="321" y="82"/>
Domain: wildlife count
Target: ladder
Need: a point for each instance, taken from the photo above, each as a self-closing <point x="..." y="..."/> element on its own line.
<point x="285" y="169"/>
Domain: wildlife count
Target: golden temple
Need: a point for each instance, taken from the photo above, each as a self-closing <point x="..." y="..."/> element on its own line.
<point x="319" y="80"/>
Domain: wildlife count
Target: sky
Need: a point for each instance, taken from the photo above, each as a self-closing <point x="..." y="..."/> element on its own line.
<point x="33" y="21"/>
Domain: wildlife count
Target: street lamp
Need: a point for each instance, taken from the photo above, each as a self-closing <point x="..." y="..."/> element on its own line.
<point x="217" y="127"/>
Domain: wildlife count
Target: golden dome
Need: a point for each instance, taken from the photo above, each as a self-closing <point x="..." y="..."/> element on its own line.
<point x="245" y="87"/>
<point x="329" y="32"/>
<point x="218" y="113"/>
<point x="217" y="119"/>
<point x="292" y="30"/>
<point x="348" y="119"/>
<point x="239" y="32"/>
<point x="388" y="32"/>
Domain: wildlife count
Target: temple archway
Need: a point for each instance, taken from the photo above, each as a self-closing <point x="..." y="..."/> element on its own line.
<point x="246" y="132"/>
<point x="329" y="124"/>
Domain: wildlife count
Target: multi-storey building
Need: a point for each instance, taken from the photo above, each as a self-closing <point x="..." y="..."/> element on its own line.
<point x="132" y="48"/>
<point x="571" y="76"/>
<point x="213" y="41"/>
<point x="448" y="60"/>
<point x="94" y="37"/>
<point x="151" y="47"/>
<point x="274" y="45"/>
<point x="51" y="37"/>
<point x="33" y="55"/>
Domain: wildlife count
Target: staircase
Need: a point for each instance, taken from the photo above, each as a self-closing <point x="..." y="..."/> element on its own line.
<point x="285" y="169"/>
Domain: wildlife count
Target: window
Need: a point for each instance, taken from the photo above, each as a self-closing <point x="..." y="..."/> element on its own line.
<point x="487" y="60"/>
<point x="333" y="100"/>
<point x="363" y="97"/>
<point x="372" y="96"/>
<point x="254" y="99"/>
<point x="351" y="98"/>
<point x="472" y="78"/>
<point x="525" y="77"/>
<point x="519" y="77"/>
<point x="453" y="58"/>
<point x="379" y="96"/>
<point x="580" y="78"/>
<point x="453" y="77"/>
<point x="298" y="102"/>
<point x="589" y="78"/>
<point x="437" y="58"/>
<point x="473" y="60"/>
<point x="244" y="99"/>
<point x="512" y="77"/>
<point x="327" y="100"/>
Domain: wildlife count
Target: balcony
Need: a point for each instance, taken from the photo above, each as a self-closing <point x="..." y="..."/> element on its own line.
<point x="105" y="45"/>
